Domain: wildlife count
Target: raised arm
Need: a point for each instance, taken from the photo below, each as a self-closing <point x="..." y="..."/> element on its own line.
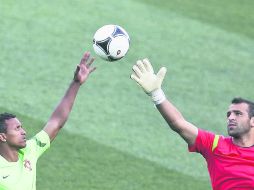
<point x="63" y="109"/>
<point x="144" y="75"/>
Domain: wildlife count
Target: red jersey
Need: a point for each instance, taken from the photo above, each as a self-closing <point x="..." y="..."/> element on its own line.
<point x="229" y="166"/>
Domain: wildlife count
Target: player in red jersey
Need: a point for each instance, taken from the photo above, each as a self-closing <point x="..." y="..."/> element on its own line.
<point x="230" y="160"/>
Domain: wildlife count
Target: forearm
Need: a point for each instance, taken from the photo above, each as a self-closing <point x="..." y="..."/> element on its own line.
<point x="177" y="122"/>
<point x="63" y="109"/>
<point x="170" y="114"/>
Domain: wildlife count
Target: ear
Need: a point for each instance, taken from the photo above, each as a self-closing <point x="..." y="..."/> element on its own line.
<point x="2" y="137"/>
<point x="252" y="121"/>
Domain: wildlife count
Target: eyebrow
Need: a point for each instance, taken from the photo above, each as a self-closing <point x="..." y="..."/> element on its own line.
<point x="234" y="111"/>
<point x="17" y="126"/>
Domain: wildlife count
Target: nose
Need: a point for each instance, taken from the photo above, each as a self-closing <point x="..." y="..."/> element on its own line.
<point x="23" y="132"/>
<point x="231" y="117"/>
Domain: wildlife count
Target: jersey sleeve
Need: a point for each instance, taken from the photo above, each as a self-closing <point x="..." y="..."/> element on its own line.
<point x="41" y="143"/>
<point x="204" y="142"/>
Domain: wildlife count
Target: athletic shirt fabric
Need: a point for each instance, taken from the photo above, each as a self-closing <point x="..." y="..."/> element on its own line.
<point x="21" y="175"/>
<point x="229" y="166"/>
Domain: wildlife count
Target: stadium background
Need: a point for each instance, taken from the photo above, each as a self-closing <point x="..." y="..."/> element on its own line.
<point x="115" y="138"/>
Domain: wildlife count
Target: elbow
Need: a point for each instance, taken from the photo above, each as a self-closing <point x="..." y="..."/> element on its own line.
<point x="177" y="125"/>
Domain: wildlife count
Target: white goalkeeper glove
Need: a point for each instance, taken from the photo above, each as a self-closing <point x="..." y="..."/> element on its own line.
<point x="144" y="75"/>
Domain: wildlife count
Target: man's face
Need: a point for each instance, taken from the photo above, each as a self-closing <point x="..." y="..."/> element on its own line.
<point x="238" y="120"/>
<point x="15" y="134"/>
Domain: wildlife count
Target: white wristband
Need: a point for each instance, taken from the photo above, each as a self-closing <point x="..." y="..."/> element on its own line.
<point x="157" y="96"/>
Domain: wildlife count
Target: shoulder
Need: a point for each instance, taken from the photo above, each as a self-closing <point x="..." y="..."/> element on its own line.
<point x="220" y="140"/>
<point x="39" y="143"/>
<point x="206" y="135"/>
<point x="204" y="141"/>
<point x="223" y="143"/>
<point x="41" y="138"/>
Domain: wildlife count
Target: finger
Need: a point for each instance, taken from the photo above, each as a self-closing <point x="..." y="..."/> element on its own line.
<point x="90" y="62"/>
<point x="134" y="74"/>
<point x="85" y="57"/>
<point x="137" y="71"/>
<point x="162" y="72"/>
<point x="141" y="66"/>
<point x="92" y="69"/>
<point x="134" y="77"/>
<point x="76" y="71"/>
<point x="148" y="65"/>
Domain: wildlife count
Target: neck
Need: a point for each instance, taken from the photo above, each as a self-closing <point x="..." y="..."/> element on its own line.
<point x="243" y="141"/>
<point x="9" y="154"/>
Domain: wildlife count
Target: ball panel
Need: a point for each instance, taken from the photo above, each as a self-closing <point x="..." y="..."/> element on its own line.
<point x="120" y="31"/>
<point x="118" y="47"/>
<point x="100" y="52"/>
<point x="103" y="44"/>
<point x="104" y="32"/>
<point x="111" y="59"/>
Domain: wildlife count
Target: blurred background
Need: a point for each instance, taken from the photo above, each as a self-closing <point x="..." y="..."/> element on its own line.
<point x="115" y="138"/>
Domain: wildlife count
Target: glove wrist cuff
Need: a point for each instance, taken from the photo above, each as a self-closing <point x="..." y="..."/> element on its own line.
<point x="157" y="96"/>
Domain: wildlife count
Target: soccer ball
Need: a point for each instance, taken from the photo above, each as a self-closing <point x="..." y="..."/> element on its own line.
<point x="111" y="42"/>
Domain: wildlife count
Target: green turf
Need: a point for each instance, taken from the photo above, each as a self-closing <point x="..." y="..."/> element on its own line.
<point x="230" y="15"/>
<point x="206" y="46"/>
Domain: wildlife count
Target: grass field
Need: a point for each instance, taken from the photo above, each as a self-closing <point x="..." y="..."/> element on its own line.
<point x="115" y="138"/>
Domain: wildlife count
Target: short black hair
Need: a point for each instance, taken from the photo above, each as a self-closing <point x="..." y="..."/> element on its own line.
<point x="3" y="117"/>
<point x="239" y="100"/>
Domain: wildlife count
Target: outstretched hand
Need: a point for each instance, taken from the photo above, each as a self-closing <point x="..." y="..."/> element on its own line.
<point x="144" y="75"/>
<point x="84" y="68"/>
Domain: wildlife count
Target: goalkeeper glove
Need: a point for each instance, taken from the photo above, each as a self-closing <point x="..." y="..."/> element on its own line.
<point x="144" y="75"/>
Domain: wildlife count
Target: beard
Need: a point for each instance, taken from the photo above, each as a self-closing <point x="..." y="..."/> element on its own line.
<point x="237" y="131"/>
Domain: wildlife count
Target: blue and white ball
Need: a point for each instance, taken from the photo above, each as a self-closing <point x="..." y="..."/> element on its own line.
<point x="111" y="42"/>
